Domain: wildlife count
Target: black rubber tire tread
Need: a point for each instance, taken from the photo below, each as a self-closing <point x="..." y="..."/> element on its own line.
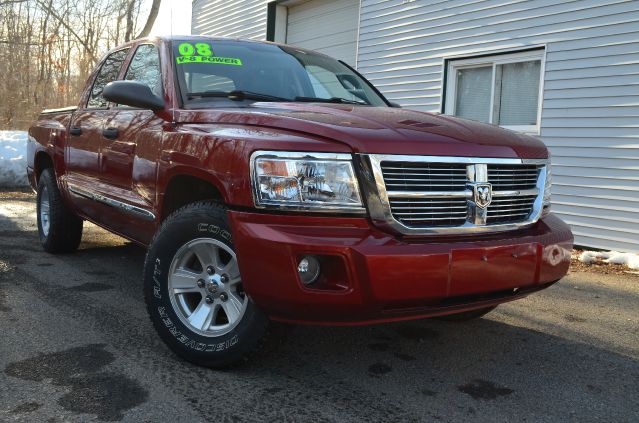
<point x="177" y="229"/>
<point x="65" y="227"/>
<point x="467" y="315"/>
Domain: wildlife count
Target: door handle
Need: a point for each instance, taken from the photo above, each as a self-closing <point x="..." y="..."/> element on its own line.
<point x="75" y="131"/>
<point x="110" y="133"/>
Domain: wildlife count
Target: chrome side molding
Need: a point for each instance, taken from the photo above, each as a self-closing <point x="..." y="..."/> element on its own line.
<point x="128" y="208"/>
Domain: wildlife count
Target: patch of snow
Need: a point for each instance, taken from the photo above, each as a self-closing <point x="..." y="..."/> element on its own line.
<point x="615" y="257"/>
<point x="13" y="159"/>
<point x="588" y="257"/>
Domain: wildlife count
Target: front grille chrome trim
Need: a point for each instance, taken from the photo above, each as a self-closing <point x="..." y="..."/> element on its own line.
<point x="428" y="194"/>
<point x="477" y="219"/>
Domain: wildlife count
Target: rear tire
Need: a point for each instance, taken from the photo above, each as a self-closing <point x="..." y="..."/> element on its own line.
<point x="60" y="230"/>
<point x="467" y="315"/>
<point x="193" y="289"/>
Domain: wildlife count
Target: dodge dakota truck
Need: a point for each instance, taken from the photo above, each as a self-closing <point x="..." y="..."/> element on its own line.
<point x="272" y="183"/>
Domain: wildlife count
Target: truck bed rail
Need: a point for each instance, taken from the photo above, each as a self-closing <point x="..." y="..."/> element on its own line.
<point x="59" y="110"/>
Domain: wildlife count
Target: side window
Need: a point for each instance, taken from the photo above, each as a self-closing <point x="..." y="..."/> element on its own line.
<point x="145" y="68"/>
<point x="108" y="72"/>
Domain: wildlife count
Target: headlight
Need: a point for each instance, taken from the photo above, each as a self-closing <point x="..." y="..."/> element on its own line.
<point x="547" y="188"/>
<point x="305" y="181"/>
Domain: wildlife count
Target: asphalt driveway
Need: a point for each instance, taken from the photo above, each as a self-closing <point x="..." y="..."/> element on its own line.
<point x="76" y="345"/>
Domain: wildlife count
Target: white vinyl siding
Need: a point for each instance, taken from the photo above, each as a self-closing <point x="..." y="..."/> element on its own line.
<point x="327" y="26"/>
<point x="230" y="18"/>
<point x="590" y="107"/>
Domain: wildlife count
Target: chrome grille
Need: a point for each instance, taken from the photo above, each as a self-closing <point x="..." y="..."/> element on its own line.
<point x="407" y="176"/>
<point x="513" y="177"/>
<point x="432" y="194"/>
<point x="427" y="212"/>
<point x="510" y="209"/>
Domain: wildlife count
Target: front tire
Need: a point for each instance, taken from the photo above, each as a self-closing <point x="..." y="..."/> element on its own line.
<point x="60" y="230"/>
<point x="193" y="289"/>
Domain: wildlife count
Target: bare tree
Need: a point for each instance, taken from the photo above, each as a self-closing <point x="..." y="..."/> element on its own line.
<point x="48" y="48"/>
<point x="150" y="20"/>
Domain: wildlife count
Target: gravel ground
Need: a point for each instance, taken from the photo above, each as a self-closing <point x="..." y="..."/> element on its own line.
<point x="76" y="345"/>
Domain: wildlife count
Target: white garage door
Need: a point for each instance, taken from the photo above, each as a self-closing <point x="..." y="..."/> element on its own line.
<point x="327" y="26"/>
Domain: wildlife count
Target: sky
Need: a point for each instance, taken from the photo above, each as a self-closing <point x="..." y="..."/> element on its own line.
<point x="181" y="18"/>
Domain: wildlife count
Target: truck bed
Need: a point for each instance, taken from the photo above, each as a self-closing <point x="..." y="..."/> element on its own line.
<point x="47" y="138"/>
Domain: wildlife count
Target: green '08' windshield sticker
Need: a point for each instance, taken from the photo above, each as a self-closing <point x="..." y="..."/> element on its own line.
<point x="202" y="53"/>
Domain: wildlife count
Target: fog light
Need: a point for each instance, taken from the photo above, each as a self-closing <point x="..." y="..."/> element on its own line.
<point x="309" y="269"/>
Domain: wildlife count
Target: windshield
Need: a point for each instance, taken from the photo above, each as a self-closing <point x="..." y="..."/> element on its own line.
<point x="236" y="71"/>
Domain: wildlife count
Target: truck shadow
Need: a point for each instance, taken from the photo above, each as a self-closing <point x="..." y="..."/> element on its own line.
<point x="430" y="367"/>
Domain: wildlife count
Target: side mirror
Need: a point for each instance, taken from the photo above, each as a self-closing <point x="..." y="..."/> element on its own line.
<point x="134" y="94"/>
<point x="393" y="104"/>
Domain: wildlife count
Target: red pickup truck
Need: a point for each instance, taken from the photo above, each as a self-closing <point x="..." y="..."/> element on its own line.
<point x="274" y="183"/>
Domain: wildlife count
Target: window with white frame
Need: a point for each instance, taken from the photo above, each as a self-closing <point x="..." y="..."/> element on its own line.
<point x="503" y="89"/>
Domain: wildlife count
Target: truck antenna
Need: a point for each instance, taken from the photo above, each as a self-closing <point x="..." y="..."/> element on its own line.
<point x="173" y="64"/>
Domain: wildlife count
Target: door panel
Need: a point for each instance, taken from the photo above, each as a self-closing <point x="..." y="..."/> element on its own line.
<point x="83" y="150"/>
<point x="118" y="152"/>
<point x="127" y="126"/>
<point x="124" y="165"/>
<point x="83" y="157"/>
<point x="128" y="170"/>
<point x="131" y="141"/>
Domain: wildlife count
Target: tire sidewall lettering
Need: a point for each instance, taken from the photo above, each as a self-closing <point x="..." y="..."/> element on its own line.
<point x="157" y="272"/>
<point x="160" y="295"/>
<point x="191" y="343"/>
<point x="214" y="230"/>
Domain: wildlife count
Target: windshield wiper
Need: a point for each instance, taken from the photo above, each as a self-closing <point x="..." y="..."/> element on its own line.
<point x="236" y="95"/>
<point x="239" y="95"/>
<point x="329" y="100"/>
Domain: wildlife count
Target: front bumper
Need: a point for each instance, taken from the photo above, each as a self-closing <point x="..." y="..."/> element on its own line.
<point x="372" y="276"/>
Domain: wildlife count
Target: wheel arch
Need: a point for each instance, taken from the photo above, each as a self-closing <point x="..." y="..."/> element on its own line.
<point x="184" y="187"/>
<point x="41" y="162"/>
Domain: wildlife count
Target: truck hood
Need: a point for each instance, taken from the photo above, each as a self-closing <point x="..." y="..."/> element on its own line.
<point x="379" y="130"/>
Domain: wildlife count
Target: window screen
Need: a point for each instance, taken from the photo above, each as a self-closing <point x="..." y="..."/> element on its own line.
<point x="108" y="73"/>
<point x="473" y="93"/>
<point x="516" y="93"/>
